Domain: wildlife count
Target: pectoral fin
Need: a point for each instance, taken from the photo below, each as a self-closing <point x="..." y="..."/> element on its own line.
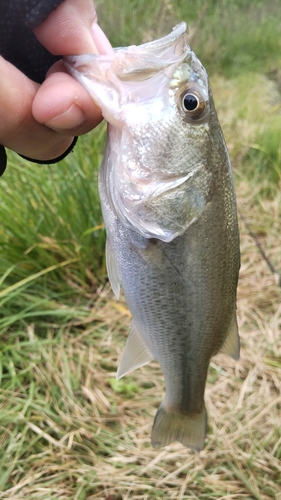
<point x="155" y="256"/>
<point x="112" y="270"/>
<point x="136" y="354"/>
<point x="231" y="345"/>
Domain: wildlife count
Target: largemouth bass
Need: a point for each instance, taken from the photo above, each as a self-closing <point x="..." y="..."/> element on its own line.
<point x="168" y="203"/>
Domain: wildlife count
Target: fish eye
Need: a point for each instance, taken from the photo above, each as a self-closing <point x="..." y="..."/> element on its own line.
<point x="192" y="103"/>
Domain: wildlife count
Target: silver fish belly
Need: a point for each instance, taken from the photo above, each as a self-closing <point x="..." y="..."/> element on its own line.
<point x="169" y="208"/>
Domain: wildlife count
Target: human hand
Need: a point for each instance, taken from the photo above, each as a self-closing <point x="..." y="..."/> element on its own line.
<point x="41" y="121"/>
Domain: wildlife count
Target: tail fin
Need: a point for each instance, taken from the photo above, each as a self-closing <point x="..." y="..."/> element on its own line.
<point x="170" y="426"/>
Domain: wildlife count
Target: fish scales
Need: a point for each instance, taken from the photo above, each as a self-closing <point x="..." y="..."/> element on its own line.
<point x="169" y="208"/>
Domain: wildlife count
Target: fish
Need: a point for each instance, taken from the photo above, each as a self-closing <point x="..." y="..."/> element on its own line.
<point x="169" y="207"/>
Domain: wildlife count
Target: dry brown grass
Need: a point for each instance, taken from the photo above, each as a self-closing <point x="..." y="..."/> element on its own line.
<point x="81" y="435"/>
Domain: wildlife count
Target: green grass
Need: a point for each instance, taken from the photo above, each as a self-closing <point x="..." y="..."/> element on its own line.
<point x="52" y="233"/>
<point x="68" y="429"/>
<point x="230" y="37"/>
<point x="265" y="154"/>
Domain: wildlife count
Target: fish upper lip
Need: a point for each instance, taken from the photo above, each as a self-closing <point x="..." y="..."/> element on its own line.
<point x="160" y="43"/>
<point x="74" y="61"/>
<point x="169" y="39"/>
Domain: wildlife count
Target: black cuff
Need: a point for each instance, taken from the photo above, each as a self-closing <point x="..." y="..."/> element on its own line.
<point x="3" y="157"/>
<point x="59" y="158"/>
<point x="3" y="160"/>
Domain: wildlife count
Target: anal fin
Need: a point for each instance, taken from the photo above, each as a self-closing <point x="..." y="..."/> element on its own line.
<point x="135" y="355"/>
<point x="231" y="346"/>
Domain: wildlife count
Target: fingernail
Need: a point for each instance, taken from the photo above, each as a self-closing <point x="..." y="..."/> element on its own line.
<point x="70" y="119"/>
<point x="101" y="41"/>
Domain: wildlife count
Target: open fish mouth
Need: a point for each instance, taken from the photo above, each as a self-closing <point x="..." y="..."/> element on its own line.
<point x="125" y="69"/>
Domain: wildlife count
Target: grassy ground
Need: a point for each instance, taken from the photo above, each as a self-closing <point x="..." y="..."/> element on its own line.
<point x="68" y="430"/>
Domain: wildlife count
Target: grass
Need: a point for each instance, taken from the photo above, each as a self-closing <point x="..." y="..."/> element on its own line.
<point x="52" y="233"/>
<point x="232" y="37"/>
<point x="68" y="429"/>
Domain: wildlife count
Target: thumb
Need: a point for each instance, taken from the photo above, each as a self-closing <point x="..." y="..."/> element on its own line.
<point x="67" y="30"/>
<point x="19" y="130"/>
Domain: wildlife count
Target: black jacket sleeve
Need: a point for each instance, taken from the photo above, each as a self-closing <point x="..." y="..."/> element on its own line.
<point x="19" y="46"/>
